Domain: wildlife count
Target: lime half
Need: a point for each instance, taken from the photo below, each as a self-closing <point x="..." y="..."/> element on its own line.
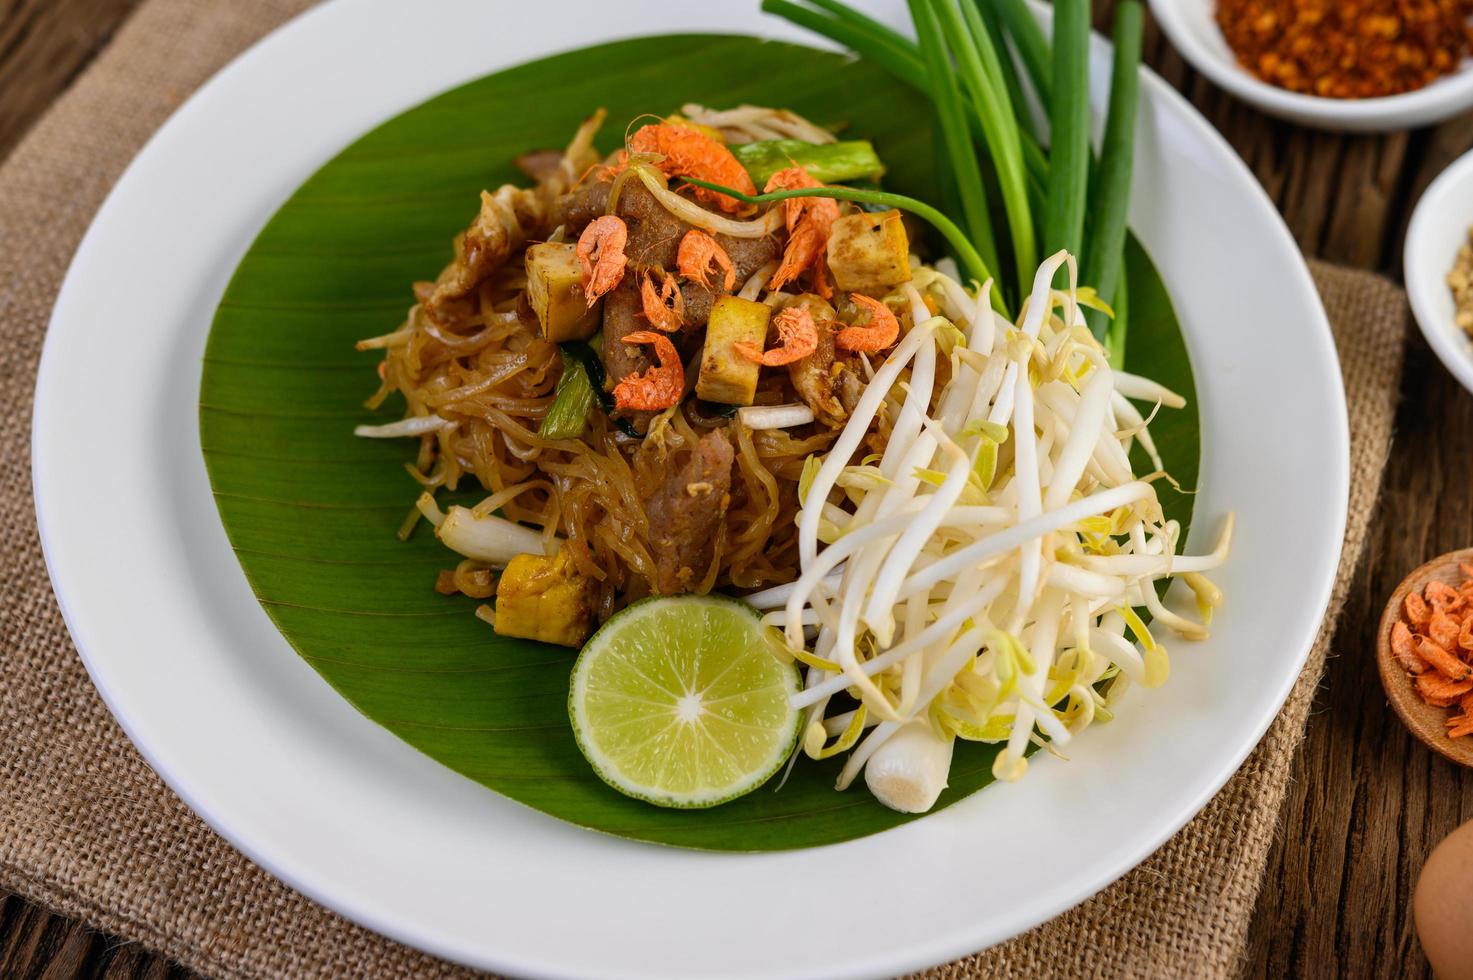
<point x="680" y="701"/>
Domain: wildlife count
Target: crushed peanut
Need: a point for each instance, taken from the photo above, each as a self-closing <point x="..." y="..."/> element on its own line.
<point x="1460" y="281"/>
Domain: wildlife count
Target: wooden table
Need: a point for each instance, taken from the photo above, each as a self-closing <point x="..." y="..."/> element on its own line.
<point x="1368" y="802"/>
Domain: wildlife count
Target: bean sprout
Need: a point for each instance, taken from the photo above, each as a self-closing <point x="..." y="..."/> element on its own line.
<point x="980" y="580"/>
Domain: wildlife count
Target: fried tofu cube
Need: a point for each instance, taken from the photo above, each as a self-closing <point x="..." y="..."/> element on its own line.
<point x="545" y="599"/>
<point x="726" y="376"/>
<point x="869" y="252"/>
<point x="555" y="290"/>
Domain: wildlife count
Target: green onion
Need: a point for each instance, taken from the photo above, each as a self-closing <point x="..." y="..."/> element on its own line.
<point x="1033" y="156"/>
<point x="948" y="102"/>
<point x="1055" y="199"/>
<point x="568" y="415"/>
<point x="977" y="64"/>
<point x="946" y="196"/>
<point x="1011" y="82"/>
<point x="1037" y="162"/>
<point x="827" y="163"/>
<point x="1110" y="195"/>
<point x="1069" y="155"/>
<point x="893" y="52"/>
<point x="587" y="357"/>
<point x="1036" y="159"/>
<point x="972" y="31"/>
<point x="1115" y="333"/>
<point x="1033" y="47"/>
<point x="875" y="28"/>
<point x="851" y="30"/>
<point x="967" y="255"/>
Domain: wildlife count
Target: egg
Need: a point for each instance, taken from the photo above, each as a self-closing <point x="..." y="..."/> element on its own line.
<point x="1443" y="906"/>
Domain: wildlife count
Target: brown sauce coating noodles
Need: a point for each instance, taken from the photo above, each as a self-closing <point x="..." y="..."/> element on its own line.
<point x="486" y="370"/>
<point x="470" y="351"/>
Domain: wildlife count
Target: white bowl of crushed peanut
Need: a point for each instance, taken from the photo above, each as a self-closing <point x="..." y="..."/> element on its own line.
<point x="1438" y="265"/>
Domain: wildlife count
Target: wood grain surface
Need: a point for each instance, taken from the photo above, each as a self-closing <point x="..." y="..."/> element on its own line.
<point x="1368" y="801"/>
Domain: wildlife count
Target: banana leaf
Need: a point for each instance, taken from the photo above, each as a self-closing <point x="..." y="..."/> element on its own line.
<point x="312" y="511"/>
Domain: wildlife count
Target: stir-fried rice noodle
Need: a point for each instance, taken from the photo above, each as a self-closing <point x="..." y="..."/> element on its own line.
<point x="473" y="359"/>
<point x="962" y="545"/>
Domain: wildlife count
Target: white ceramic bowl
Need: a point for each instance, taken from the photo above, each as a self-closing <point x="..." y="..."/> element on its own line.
<point x="1439" y="226"/>
<point x="1192" y="28"/>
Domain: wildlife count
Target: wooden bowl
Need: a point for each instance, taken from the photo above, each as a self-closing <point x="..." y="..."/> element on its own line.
<point x="1425" y="721"/>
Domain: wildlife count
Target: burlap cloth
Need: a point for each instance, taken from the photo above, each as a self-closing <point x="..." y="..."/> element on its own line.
<point x="87" y="828"/>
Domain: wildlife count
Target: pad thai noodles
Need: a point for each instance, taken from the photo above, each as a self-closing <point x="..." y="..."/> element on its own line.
<point x="674" y="489"/>
<point x="701" y="364"/>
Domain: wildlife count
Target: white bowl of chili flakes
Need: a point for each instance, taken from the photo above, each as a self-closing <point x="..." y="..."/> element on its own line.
<point x="1418" y="49"/>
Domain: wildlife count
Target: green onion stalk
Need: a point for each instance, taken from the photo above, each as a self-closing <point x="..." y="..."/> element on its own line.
<point x="897" y="55"/>
<point x="1068" y="185"/>
<point x="567" y="417"/>
<point x="981" y="73"/>
<point x="965" y="60"/>
<point x="828" y="163"/>
<point x="1027" y="37"/>
<point x="1104" y="251"/>
<point x="965" y="169"/>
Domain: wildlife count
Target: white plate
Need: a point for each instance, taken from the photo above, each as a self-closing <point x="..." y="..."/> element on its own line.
<point x="1191" y="27"/>
<point x="1439" y="227"/>
<point x="259" y="745"/>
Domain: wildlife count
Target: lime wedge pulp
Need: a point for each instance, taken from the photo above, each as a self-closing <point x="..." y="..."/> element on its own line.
<point x="681" y="701"/>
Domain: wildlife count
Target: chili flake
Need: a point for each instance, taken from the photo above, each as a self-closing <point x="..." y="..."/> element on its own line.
<point x="1348" y="49"/>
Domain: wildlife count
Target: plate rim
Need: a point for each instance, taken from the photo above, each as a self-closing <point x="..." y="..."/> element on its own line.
<point x="917" y="954"/>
